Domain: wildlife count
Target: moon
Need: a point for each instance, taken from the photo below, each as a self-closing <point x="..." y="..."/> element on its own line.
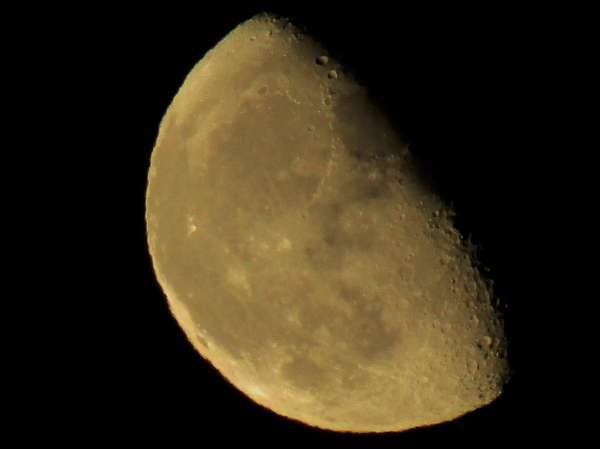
<point x="301" y="252"/>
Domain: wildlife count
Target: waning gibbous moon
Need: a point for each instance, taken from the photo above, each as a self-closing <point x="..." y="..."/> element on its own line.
<point x="302" y="254"/>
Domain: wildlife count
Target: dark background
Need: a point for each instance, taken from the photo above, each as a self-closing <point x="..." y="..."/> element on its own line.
<point x="468" y="89"/>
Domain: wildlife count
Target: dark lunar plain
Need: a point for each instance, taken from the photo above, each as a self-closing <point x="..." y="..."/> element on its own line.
<point x="463" y="88"/>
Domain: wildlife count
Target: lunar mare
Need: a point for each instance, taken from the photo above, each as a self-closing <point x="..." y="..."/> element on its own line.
<point x="302" y="254"/>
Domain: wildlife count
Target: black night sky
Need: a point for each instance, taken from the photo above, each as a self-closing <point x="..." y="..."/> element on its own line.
<point x="465" y="88"/>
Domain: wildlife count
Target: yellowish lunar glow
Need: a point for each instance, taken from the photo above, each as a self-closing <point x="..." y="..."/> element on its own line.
<point x="301" y="253"/>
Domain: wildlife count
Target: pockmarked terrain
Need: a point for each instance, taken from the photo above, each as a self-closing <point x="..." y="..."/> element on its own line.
<point x="301" y="252"/>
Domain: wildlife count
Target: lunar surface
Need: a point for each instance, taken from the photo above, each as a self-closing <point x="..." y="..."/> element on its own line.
<point x="302" y="254"/>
